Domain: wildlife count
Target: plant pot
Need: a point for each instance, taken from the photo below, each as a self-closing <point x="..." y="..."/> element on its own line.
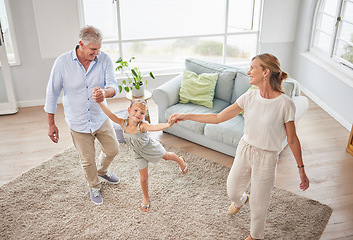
<point x="138" y="93"/>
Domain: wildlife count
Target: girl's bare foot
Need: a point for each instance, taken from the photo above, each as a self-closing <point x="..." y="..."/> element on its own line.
<point x="145" y="205"/>
<point x="185" y="169"/>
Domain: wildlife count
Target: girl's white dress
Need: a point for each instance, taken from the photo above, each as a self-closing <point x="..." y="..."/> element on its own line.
<point x="145" y="148"/>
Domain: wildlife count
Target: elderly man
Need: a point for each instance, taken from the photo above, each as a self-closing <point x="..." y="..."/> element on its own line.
<point x="78" y="73"/>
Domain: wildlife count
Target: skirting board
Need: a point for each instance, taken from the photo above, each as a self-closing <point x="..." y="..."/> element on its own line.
<point x="32" y="103"/>
<point x="326" y="108"/>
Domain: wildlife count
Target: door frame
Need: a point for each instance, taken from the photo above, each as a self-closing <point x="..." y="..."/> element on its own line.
<point x="10" y="106"/>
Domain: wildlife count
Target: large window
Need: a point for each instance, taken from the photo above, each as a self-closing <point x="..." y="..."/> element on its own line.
<point x="7" y="29"/>
<point x="333" y="32"/>
<point x="160" y="34"/>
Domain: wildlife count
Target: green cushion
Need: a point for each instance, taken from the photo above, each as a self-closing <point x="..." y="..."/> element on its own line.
<point x="198" y="89"/>
<point x="225" y="82"/>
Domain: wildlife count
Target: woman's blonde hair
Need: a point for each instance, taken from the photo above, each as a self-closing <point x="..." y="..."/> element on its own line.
<point x="270" y="62"/>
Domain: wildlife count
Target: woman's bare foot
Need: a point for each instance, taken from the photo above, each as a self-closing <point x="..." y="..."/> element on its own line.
<point x="183" y="170"/>
<point x="145" y="205"/>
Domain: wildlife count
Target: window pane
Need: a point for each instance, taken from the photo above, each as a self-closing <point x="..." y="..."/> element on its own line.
<point x="171" y="54"/>
<point x="157" y="55"/>
<point x="6" y="32"/>
<point x="144" y="24"/>
<point x="326" y="23"/>
<point x="329" y="6"/>
<point x="102" y="15"/>
<point x="345" y="51"/>
<point x="322" y="41"/>
<point x="240" y="15"/>
<point x="348" y="12"/>
<point x="346" y="32"/>
<point x="241" y="48"/>
<point x="336" y="41"/>
<point x="164" y="18"/>
<point x="112" y="49"/>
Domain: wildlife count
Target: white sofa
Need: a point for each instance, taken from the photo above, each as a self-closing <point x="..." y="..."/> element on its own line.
<point x="232" y="82"/>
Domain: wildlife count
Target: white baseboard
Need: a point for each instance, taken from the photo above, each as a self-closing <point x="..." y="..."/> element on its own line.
<point x="31" y="103"/>
<point x="326" y="108"/>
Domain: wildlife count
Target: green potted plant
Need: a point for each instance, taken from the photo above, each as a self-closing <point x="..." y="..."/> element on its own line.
<point x="134" y="77"/>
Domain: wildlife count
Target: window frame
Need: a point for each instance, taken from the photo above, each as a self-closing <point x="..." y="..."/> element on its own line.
<point x="255" y="25"/>
<point x="12" y="34"/>
<point x="330" y="57"/>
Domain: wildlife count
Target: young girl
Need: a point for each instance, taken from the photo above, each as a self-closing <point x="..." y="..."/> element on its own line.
<point x="145" y="148"/>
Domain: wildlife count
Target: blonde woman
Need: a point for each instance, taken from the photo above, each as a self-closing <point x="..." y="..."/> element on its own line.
<point x="269" y="119"/>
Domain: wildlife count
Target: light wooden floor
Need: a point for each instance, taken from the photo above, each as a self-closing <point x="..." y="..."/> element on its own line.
<point x="25" y="144"/>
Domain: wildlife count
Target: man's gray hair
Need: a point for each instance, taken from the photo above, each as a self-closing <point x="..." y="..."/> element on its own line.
<point x="90" y="34"/>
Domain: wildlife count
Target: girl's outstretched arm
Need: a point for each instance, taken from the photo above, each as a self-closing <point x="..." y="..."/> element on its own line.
<point x="145" y="126"/>
<point x="111" y="115"/>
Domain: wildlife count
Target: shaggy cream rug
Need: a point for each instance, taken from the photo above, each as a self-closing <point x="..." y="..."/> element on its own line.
<point x="51" y="201"/>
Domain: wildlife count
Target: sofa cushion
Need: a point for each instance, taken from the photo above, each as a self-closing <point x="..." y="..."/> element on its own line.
<point x="228" y="132"/>
<point x="198" y="89"/>
<point x="218" y="106"/>
<point x="241" y="85"/>
<point x="226" y="76"/>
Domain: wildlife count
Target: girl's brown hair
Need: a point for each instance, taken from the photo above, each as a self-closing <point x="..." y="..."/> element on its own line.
<point x="270" y="62"/>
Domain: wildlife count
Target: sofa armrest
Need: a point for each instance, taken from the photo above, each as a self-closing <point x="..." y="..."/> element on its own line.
<point x="301" y="106"/>
<point x="293" y="86"/>
<point x="167" y="95"/>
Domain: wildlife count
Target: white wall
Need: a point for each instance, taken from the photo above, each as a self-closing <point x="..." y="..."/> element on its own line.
<point x="278" y="30"/>
<point x="286" y="31"/>
<point x="321" y="84"/>
<point x="42" y="34"/>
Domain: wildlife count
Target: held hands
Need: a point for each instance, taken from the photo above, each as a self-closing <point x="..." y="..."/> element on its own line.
<point x="170" y="122"/>
<point x="174" y="118"/>
<point x="98" y="94"/>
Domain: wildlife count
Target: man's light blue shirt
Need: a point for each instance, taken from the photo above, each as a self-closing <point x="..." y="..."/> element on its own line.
<point x="82" y="113"/>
